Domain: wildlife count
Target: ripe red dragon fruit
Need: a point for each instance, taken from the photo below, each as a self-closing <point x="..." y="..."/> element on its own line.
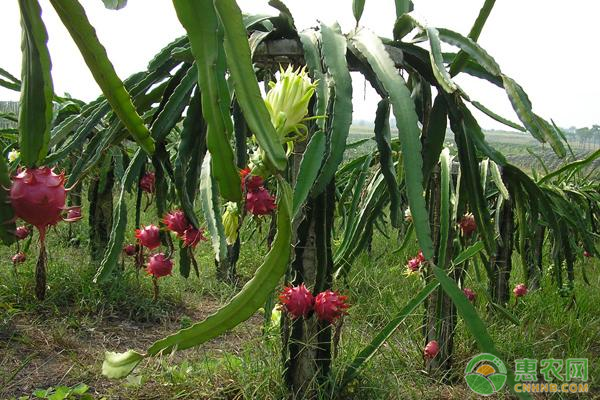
<point x="19" y="258"/>
<point x="520" y="290"/>
<point x="467" y="224"/>
<point x="22" y="232"/>
<point x="129" y="250"/>
<point x="147" y="182"/>
<point x="250" y="183"/>
<point x="298" y="301"/>
<point x="193" y="236"/>
<point x="38" y="197"/>
<point x="420" y="256"/>
<point x="159" y="265"/>
<point x="176" y="222"/>
<point x="148" y="236"/>
<point x="470" y="294"/>
<point x="330" y="305"/>
<point x="587" y="254"/>
<point x="431" y="349"/>
<point x="260" y="202"/>
<point x="73" y="214"/>
<point x="413" y="264"/>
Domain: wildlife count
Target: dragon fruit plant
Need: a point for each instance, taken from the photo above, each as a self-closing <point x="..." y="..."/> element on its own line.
<point x="38" y="197"/>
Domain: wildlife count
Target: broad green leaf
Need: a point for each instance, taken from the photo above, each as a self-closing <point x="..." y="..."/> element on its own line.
<point x="358" y="7"/>
<point x="192" y="145"/>
<point x="209" y="197"/>
<point x="403" y="7"/>
<point x="445" y="220"/>
<point x="497" y="117"/>
<point x="436" y="134"/>
<point x="172" y="110"/>
<point x="437" y="62"/>
<point x="478" y="137"/>
<point x="383" y="138"/>
<point x="35" y="113"/>
<point x="309" y="170"/>
<point x="369" y="351"/>
<point x="115" y="4"/>
<point x="185" y="261"/>
<point x="473" y="322"/>
<point x="4" y="73"/>
<point x="573" y="166"/>
<point x="469" y="46"/>
<point x="359" y="228"/>
<point x="469" y="166"/>
<point x="246" y="85"/>
<point x="468" y="253"/>
<point x="497" y="178"/>
<point x="462" y="59"/>
<point x="202" y="25"/>
<point x="83" y="33"/>
<point x="165" y="54"/>
<point x="117" y="235"/>
<point x="241" y="307"/>
<point x="7" y="214"/>
<point x="538" y="127"/>
<point x="119" y="365"/>
<point x="373" y="50"/>
<point x="333" y="45"/>
<point x="311" y="44"/>
<point x="353" y="211"/>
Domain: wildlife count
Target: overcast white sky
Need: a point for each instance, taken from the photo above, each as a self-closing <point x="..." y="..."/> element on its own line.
<point x="549" y="46"/>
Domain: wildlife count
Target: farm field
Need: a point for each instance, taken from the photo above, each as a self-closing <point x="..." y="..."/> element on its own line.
<point x="198" y="200"/>
<point x="62" y="342"/>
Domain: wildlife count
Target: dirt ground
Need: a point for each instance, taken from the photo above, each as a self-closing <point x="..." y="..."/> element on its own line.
<point x="38" y="353"/>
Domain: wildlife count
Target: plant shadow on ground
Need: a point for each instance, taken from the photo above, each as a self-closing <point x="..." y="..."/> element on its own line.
<point x="61" y="341"/>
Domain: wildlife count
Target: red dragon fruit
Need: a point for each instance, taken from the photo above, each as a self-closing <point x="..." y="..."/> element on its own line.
<point x="148" y="236"/>
<point x="176" y="222"/>
<point x="260" y="202"/>
<point x="250" y="183"/>
<point x="192" y="236"/>
<point x="159" y="265"/>
<point x="38" y="197"/>
<point x="22" y="232"/>
<point x="330" y="305"/>
<point x="467" y="225"/>
<point x="19" y="258"/>
<point x="297" y="300"/>
<point x="129" y="250"/>
<point x="413" y="264"/>
<point x="587" y="254"/>
<point x="520" y="290"/>
<point x="431" y="349"/>
<point x="470" y="294"/>
<point x="147" y="182"/>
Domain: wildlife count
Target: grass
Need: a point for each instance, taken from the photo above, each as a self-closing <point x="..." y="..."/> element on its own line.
<point x="61" y="341"/>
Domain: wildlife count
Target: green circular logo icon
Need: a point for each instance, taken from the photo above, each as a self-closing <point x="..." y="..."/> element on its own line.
<point x="485" y="374"/>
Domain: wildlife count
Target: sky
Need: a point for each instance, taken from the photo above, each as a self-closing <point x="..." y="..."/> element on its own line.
<point x="548" y="46"/>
